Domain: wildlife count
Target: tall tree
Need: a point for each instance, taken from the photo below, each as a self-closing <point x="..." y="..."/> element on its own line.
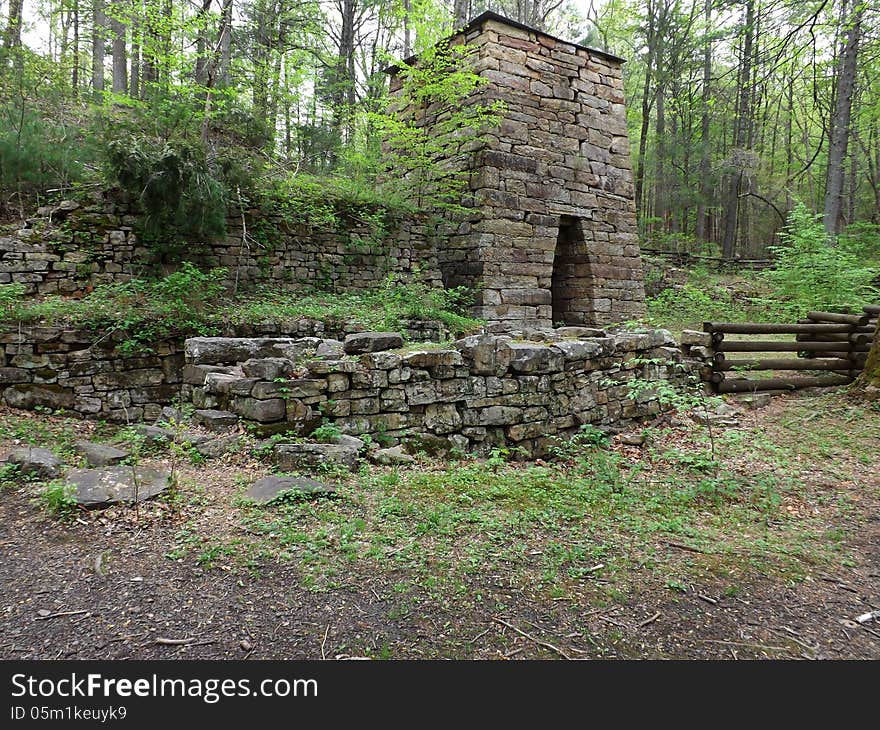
<point x="12" y="34"/>
<point x="741" y="132"/>
<point x="99" y="27"/>
<point x="118" y="51"/>
<point x="840" y="122"/>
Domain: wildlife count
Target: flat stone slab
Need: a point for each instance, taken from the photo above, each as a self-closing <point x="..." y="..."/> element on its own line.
<point x="100" y="454"/>
<point x="95" y="488"/>
<point x="394" y="455"/>
<point x="268" y="489"/>
<point x="363" y="342"/>
<point x="216" y="420"/>
<point x="37" y="462"/>
<point x="296" y="456"/>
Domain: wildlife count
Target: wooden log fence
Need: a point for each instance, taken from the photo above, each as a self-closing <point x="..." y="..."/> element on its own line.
<point x="831" y="345"/>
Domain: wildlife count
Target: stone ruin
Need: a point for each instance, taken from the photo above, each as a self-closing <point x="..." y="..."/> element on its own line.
<point x="552" y="238"/>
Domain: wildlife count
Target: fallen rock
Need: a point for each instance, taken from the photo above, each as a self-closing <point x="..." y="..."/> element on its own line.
<point x="36" y="462"/>
<point x="389" y="457"/>
<point x="330" y="350"/>
<point x="215" y="420"/>
<point x="428" y="443"/>
<point x="290" y="457"/>
<point x="154" y="435"/>
<point x="363" y="342"/>
<point x="755" y="401"/>
<point x="95" y="488"/>
<point x="631" y="439"/>
<point x="100" y="454"/>
<point x="268" y="489"/>
<point x="215" y="448"/>
<point x="352" y="442"/>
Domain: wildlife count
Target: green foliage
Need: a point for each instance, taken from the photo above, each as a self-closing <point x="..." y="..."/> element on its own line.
<point x="57" y="497"/>
<point x="862" y="240"/>
<point x="326" y="433"/>
<point x="180" y="196"/>
<point x="426" y="161"/>
<point x="11" y="300"/>
<point x="812" y="272"/>
<point x="692" y="303"/>
<point x="183" y="302"/>
<point x="37" y="153"/>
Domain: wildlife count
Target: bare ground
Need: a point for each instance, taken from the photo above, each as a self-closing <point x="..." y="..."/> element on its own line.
<point x="109" y="585"/>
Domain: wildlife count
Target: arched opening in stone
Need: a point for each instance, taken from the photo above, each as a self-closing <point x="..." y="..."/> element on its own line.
<point x="572" y="281"/>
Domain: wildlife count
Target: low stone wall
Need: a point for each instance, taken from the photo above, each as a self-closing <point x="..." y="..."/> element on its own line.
<point x="84" y="372"/>
<point x="483" y="391"/>
<point x="69" y="248"/>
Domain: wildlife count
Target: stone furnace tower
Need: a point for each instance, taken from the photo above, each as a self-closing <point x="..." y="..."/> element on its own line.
<point x="552" y="239"/>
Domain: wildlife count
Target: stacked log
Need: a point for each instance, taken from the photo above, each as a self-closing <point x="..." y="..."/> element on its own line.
<point x="829" y="342"/>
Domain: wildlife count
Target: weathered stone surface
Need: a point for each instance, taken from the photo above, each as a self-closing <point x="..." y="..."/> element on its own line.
<point x="270" y="488"/>
<point x="694" y="337"/>
<point x="442" y="418"/>
<point x="117" y="484"/>
<point x="500" y="416"/>
<point x="350" y="442"/>
<point x="28" y="396"/>
<point x="263" y="411"/>
<point x="578" y="349"/>
<point x="216" y="350"/>
<point x="489" y="355"/>
<point x="154" y="435"/>
<point x="215" y="420"/>
<point x="100" y="454"/>
<point x="392" y="456"/>
<point x="362" y="342"/>
<point x="267" y="368"/>
<point x="36" y="462"/>
<point x="535" y="359"/>
<point x="431" y="358"/>
<point x="217" y="447"/>
<point x="427" y="443"/>
<point x="330" y="350"/>
<point x="290" y="457"/>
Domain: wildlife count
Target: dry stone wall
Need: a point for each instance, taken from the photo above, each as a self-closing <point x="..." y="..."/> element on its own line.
<point x="84" y="371"/>
<point x="481" y="392"/>
<point x="69" y="249"/>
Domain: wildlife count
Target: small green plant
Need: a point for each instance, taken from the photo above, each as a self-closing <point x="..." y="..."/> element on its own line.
<point x="58" y="498"/>
<point x="326" y="433"/>
<point x="812" y="272"/>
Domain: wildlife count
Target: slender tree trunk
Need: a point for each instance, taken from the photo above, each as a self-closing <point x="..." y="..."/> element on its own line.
<point x="117" y="31"/>
<point x="12" y="34"/>
<point x="460" y="12"/>
<point x="646" y="117"/>
<point x="839" y="140"/>
<point x="99" y="25"/>
<point x="223" y="76"/>
<point x="407" y="29"/>
<point x="74" y="77"/>
<point x="702" y="224"/>
<point x="741" y="135"/>
<point x="135" y="72"/>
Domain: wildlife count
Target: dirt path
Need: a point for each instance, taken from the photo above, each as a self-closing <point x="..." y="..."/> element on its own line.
<point x="143" y="597"/>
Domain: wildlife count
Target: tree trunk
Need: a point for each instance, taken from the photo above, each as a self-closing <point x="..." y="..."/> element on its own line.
<point x="702" y="227"/>
<point x="225" y="43"/>
<point x="12" y="34"/>
<point x="838" y="142"/>
<point x="646" y="116"/>
<point x="869" y="381"/>
<point x="460" y="12"/>
<point x="135" y="73"/>
<point x="99" y="25"/>
<point x="117" y="31"/>
<point x="741" y="135"/>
